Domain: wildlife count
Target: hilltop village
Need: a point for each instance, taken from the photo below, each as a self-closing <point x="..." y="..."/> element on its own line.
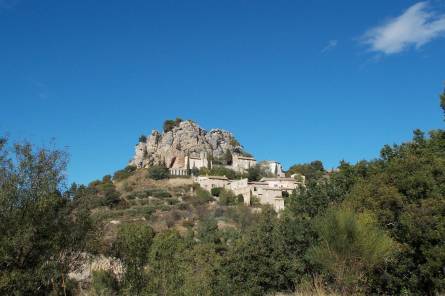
<point x="188" y="150"/>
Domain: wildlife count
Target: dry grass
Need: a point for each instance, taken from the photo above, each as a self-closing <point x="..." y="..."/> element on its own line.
<point x="140" y="181"/>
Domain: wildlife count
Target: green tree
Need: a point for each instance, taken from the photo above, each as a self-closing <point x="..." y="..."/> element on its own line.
<point x="257" y="172"/>
<point x="124" y="173"/>
<point x="132" y="246"/>
<point x="312" y="171"/>
<point x="158" y="172"/>
<point x="166" y="260"/>
<point x="350" y="246"/>
<point x="170" y="124"/>
<point x="218" y="170"/>
<point x="142" y="139"/>
<point x="258" y="264"/>
<point x="41" y="233"/>
<point x="203" y="273"/>
<point x="103" y="283"/>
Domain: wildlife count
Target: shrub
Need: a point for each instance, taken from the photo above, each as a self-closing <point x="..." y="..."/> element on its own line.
<point x="203" y="195"/>
<point x="148" y="212"/>
<point x="183" y="206"/>
<point x="159" y="193"/>
<point x="171" y="201"/>
<point x="131" y="247"/>
<point x="194" y="171"/>
<point x="242" y="215"/>
<point x="106" y="179"/>
<point x="170" y="124"/>
<point x="240" y="198"/>
<point x="124" y="173"/>
<point x="219" y="171"/>
<point x="103" y="283"/>
<point x="127" y="187"/>
<point x="216" y="191"/>
<point x="257" y="172"/>
<point x="142" y="139"/>
<point x="351" y="245"/>
<point x="158" y="172"/>
<point x="111" y="198"/>
<point x="227" y="197"/>
<point x="188" y="223"/>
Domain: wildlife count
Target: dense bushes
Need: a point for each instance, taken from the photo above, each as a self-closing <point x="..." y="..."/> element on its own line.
<point x="158" y="172"/>
<point x="170" y="124"/>
<point x="257" y="172"/>
<point x="41" y="232"/>
<point x="142" y="139"/>
<point x="350" y="245"/>
<point x="124" y="173"/>
<point x="216" y="191"/>
<point x="227" y="197"/>
<point x="219" y="171"/>
<point x="203" y="195"/>
<point x="132" y="246"/>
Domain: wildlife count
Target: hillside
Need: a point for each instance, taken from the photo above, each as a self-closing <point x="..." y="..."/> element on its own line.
<point x="376" y="227"/>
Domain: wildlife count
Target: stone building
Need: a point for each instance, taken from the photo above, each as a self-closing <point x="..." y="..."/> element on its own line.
<point x="197" y="162"/>
<point x="270" y="191"/>
<point x="242" y="163"/>
<point x="209" y="182"/>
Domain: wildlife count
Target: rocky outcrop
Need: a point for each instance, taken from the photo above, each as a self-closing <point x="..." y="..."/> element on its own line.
<point x="186" y="139"/>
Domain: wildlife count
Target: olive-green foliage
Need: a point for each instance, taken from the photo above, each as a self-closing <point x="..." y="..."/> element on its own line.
<point x="124" y="173"/>
<point x="158" y="172"/>
<point x="142" y="139"/>
<point x="216" y="191"/>
<point x="203" y="274"/>
<point x="40" y="231"/>
<point x="218" y="170"/>
<point x="203" y="195"/>
<point x="166" y="258"/>
<point x="227" y="197"/>
<point x="103" y="283"/>
<point x="312" y="171"/>
<point x="194" y="171"/>
<point x="154" y="192"/>
<point x="132" y="247"/>
<point x="257" y="264"/>
<point x="170" y="124"/>
<point x="350" y="246"/>
<point x="105" y="192"/>
<point x="257" y="172"/>
<point x="208" y="231"/>
<point x="243" y="216"/>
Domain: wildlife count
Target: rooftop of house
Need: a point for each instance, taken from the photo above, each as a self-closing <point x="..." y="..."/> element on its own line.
<point x="277" y="179"/>
<point x="217" y="177"/>
<point x="257" y="183"/>
<point x="246" y="157"/>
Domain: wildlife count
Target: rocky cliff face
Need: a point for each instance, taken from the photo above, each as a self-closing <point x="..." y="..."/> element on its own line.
<point x="186" y="139"/>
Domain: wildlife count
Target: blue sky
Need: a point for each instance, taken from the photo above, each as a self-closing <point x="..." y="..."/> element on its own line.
<point x="295" y="81"/>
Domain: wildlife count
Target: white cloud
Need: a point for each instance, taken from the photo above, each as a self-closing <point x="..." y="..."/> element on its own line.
<point x="417" y="26"/>
<point x="331" y="45"/>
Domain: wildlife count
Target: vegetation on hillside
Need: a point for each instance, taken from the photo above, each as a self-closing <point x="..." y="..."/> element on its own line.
<point x="169" y="124"/>
<point x="375" y="227"/>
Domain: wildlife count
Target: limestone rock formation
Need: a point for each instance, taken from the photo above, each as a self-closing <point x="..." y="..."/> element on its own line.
<point x="185" y="140"/>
